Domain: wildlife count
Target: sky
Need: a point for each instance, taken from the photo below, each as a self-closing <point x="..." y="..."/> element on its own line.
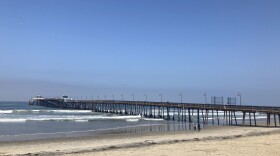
<point x="105" y="48"/>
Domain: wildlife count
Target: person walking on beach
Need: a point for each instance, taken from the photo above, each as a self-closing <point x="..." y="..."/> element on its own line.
<point x="194" y="127"/>
<point x="198" y="127"/>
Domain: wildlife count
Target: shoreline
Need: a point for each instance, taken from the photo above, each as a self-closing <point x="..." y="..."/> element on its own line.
<point x="96" y="133"/>
<point x="112" y="142"/>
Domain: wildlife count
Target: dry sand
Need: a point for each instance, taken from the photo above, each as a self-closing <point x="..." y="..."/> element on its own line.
<point x="211" y="141"/>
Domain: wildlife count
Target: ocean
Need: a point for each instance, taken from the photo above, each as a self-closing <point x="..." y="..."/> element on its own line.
<point x="20" y="121"/>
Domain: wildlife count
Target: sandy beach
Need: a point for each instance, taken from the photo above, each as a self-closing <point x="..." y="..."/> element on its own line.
<point x="220" y="140"/>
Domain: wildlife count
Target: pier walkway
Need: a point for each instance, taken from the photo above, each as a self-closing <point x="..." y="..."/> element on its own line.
<point x="182" y="112"/>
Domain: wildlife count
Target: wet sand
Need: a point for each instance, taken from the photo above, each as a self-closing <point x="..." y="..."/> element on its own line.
<point x="219" y="140"/>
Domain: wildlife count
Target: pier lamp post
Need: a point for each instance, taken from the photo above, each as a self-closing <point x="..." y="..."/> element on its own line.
<point x="239" y="94"/>
<point x="122" y="96"/>
<point x="113" y="97"/>
<point x="205" y="96"/>
<point x="132" y="97"/>
<point x="181" y="95"/>
<point x="160" y="97"/>
<point x="105" y="97"/>
<point x="146" y="97"/>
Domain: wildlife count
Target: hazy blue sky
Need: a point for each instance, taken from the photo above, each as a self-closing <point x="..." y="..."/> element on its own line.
<point x="104" y="47"/>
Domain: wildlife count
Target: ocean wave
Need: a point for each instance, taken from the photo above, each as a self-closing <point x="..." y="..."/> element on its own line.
<point x="132" y="120"/>
<point x="80" y="118"/>
<point x="12" y="120"/>
<point x="239" y="118"/>
<point x="252" y="118"/>
<point x="47" y="111"/>
<point x="68" y="111"/>
<point x="118" y="117"/>
<point x="6" y="111"/>
<point x="150" y="119"/>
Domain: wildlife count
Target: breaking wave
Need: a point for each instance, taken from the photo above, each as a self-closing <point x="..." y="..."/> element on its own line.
<point x="6" y="111"/>
<point x="42" y="111"/>
<point x="76" y="118"/>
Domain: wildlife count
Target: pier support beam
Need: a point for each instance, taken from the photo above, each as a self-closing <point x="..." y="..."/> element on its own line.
<point x="178" y="110"/>
<point x="279" y="118"/>
<point x="189" y="113"/>
<point x="203" y="117"/>
<point x="198" y="116"/>
<point x="255" y="119"/>
<point x="243" y="121"/>
<point x="275" y="120"/>
<point x="268" y="120"/>
<point x="235" y="118"/>
<point x="174" y="114"/>
<point x="218" y="117"/>
<point x="213" y="121"/>
<point x="250" y="118"/>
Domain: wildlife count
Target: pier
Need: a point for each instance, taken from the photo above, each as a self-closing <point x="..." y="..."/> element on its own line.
<point x="181" y="112"/>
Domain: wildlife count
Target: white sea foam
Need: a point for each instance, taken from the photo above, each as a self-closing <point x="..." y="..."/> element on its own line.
<point x="68" y="111"/>
<point x="48" y="111"/>
<point x="48" y="119"/>
<point x="81" y="120"/>
<point x="6" y="111"/>
<point x="12" y="120"/>
<point x="240" y="118"/>
<point x="150" y="119"/>
<point x="252" y="118"/>
<point x="19" y="110"/>
<point x="132" y="120"/>
<point x="76" y="118"/>
<point x="117" y="117"/>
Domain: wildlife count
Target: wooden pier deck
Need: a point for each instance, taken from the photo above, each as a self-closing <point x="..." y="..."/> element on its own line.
<point x="182" y="112"/>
